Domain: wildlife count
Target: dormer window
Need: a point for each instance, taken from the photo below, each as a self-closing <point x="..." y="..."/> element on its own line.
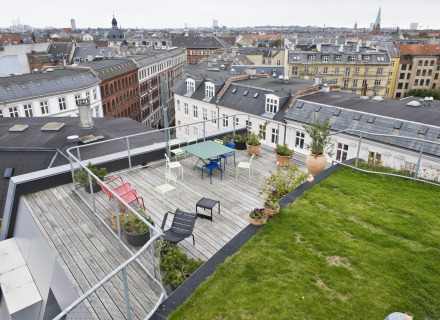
<point x="209" y="90"/>
<point x="190" y="85"/>
<point x="271" y="104"/>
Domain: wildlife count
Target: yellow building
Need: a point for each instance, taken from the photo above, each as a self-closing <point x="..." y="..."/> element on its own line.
<point x="264" y="56"/>
<point x="351" y="68"/>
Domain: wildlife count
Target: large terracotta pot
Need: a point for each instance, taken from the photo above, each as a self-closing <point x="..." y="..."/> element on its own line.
<point x="315" y="165"/>
<point x="253" y="149"/>
<point x="283" y="161"/>
<point x="270" y="212"/>
<point x="257" y="223"/>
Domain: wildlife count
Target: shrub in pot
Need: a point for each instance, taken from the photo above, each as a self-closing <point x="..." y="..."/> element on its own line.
<point x="257" y="217"/>
<point x="136" y="231"/>
<point x="253" y="143"/>
<point x="240" y="141"/>
<point x="319" y="145"/>
<point x="122" y="218"/>
<point x="82" y="177"/>
<point x="283" y="155"/>
<point x="271" y="208"/>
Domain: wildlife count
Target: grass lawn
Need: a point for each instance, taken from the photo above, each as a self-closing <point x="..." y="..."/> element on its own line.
<point x="356" y="246"/>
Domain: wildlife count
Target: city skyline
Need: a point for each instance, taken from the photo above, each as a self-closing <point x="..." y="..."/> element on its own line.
<point x="338" y="13"/>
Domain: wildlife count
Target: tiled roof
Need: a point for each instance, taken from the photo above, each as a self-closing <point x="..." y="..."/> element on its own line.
<point x="110" y="68"/>
<point x="198" y="42"/>
<point x="420" y="49"/>
<point x="262" y="36"/>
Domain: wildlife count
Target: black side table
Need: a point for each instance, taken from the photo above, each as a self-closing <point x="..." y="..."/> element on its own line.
<point x="206" y="203"/>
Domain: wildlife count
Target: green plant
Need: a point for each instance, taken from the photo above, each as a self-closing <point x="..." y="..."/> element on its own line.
<point x="271" y="205"/>
<point x="283" y="150"/>
<point x="241" y="137"/>
<point x="281" y="182"/>
<point x="177" y="267"/>
<point x="258" y="214"/>
<point x="135" y="225"/>
<point x="253" y="139"/>
<point x="82" y="177"/>
<point x="320" y="135"/>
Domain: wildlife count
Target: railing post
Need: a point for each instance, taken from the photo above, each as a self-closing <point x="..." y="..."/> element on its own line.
<point x="358" y="151"/>
<point x="92" y="193"/>
<point x="420" y="159"/>
<point x="117" y="218"/>
<point x="204" y="130"/>
<point x="233" y="119"/>
<point x="73" y="172"/>
<point x="278" y="133"/>
<point x="126" y="294"/>
<point x="128" y="152"/>
<point x="249" y="121"/>
<point x="79" y="156"/>
<point x="153" y="263"/>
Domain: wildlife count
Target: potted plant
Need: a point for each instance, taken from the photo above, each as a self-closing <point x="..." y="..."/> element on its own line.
<point x="281" y="182"/>
<point x="283" y="155"/>
<point x="240" y="141"/>
<point x="271" y="208"/>
<point x="136" y="231"/>
<point x="319" y="145"/>
<point x="82" y="177"/>
<point x="253" y="143"/>
<point x="177" y="267"/>
<point x="122" y="218"/>
<point x="257" y="217"/>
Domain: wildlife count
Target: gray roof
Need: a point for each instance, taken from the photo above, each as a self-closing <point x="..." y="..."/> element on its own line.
<point x="372" y="116"/>
<point x="110" y="68"/>
<point x="198" y="42"/>
<point x="83" y="52"/>
<point x="60" y="48"/>
<point x="34" y="85"/>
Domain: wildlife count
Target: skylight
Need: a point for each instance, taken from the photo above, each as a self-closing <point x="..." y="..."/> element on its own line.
<point x="234" y="90"/>
<point x="245" y="93"/>
<point x="256" y="95"/>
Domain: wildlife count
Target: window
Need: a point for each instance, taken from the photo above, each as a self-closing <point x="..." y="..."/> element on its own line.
<point x="249" y="125"/>
<point x="389" y="81"/>
<point x="352" y="58"/>
<point x="345" y="83"/>
<point x="294" y="71"/>
<point x="315" y="70"/>
<point x="416" y="82"/>
<point x="263" y="131"/>
<point x="178" y="125"/>
<point x="77" y="97"/>
<point x="185" y="108"/>
<point x="377" y="82"/>
<point x="178" y="105"/>
<point x="306" y="69"/>
<point x="400" y="85"/>
<point x="390" y="73"/>
<point x="1" y="113"/>
<point x="186" y="130"/>
<point x="379" y="71"/>
<point x="366" y="70"/>
<point x="62" y="103"/>
<point x="195" y="112"/>
<point x="431" y="63"/>
<point x="205" y="113"/>
<point x="192" y="52"/>
<point x="423" y="72"/>
<point x="374" y="158"/>
<point x="28" y="110"/>
<point x="225" y="120"/>
<point x="209" y="92"/>
<point x="426" y="63"/>
<point x="355" y="83"/>
<point x="342" y="152"/>
<point x="427" y="82"/>
<point x="364" y="83"/>
<point x="420" y="63"/>
<point x="271" y="105"/>
<point x="311" y="57"/>
<point x="367" y="58"/>
<point x="195" y="130"/>
<point x="274" y="137"/>
<point x="356" y="70"/>
<point x="392" y="63"/>
<point x="375" y="93"/>
<point x="335" y="80"/>
<point x="418" y="72"/>
<point x="338" y="58"/>
<point x="237" y="121"/>
<point x="278" y="62"/>
<point x="325" y="58"/>
<point x="190" y="85"/>
<point x="44" y="107"/>
<point x="88" y="95"/>
<point x="337" y="70"/>
<point x="13" y="112"/>
<point x="213" y="116"/>
<point x="402" y="76"/>
<point x="422" y="81"/>
<point x="193" y="61"/>
<point x="347" y="72"/>
<point x="95" y="95"/>
<point x="403" y="67"/>
<point x="325" y="70"/>
<point x="299" y="141"/>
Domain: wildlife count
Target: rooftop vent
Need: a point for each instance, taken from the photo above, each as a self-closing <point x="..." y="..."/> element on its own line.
<point x="414" y="104"/>
<point x="234" y="90"/>
<point x="245" y="93"/>
<point x="18" y="128"/>
<point x="377" y="98"/>
<point x="337" y="112"/>
<point x="90" y="138"/>
<point x="256" y="95"/>
<point x="8" y="173"/>
<point x="52" y="126"/>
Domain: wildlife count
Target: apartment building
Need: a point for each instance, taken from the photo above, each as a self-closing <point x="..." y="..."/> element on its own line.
<point x="51" y="93"/>
<point x="353" y="68"/>
<point x="419" y="68"/>
<point x="198" y="48"/>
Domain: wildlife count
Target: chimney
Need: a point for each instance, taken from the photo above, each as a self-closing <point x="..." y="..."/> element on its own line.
<point x="318" y="47"/>
<point x="85" y="114"/>
<point x="252" y="72"/>
<point x="318" y="80"/>
<point x="341" y="48"/>
<point x="89" y="57"/>
<point x="357" y="47"/>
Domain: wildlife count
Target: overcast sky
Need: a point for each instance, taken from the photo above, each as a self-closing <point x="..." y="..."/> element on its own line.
<point x="230" y="13"/>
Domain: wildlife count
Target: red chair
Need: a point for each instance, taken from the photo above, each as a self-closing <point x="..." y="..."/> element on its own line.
<point x="132" y="196"/>
<point x="119" y="190"/>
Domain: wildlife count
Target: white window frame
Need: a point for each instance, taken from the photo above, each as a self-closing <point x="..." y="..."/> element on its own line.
<point x="294" y="71"/>
<point x="62" y="103"/>
<point x="205" y="113"/>
<point x="299" y="139"/>
<point x="342" y="152"/>
<point x="213" y="116"/>
<point x="44" y="107"/>
<point x="185" y="108"/>
<point x="13" y="112"/>
<point x="77" y="97"/>
<point x="353" y="58"/>
<point x="379" y="71"/>
<point x="260" y="128"/>
<point x="377" y="82"/>
<point x="271" y="104"/>
<point x="274" y="136"/>
<point x="355" y="83"/>
<point x="337" y="70"/>
<point x="195" y="111"/>
<point x="325" y="58"/>
<point x="248" y="125"/>
<point x="225" y="120"/>
<point x="338" y="58"/>
<point x="190" y="85"/>
<point x="347" y="72"/>
<point x="346" y="83"/>
<point x="209" y="90"/>
<point x="178" y="105"/>
<point x="95" y="95"/>
<point x="28" y="111"/>
<point x="186" y="130"/>
<point x="195" y="130"/>
<point x="88" y="95"/>
<point x="325" y="70"/>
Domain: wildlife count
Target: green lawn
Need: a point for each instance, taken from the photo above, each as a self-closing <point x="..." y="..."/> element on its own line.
<point x="356" y="246"/>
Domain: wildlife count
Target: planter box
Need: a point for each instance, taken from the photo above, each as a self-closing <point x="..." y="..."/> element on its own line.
<point x="96" y="188"/>
<point x="138" y="239"/>
<point x="240" y="145"/>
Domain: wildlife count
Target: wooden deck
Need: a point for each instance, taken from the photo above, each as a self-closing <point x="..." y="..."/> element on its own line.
<point x="88" y="251"/>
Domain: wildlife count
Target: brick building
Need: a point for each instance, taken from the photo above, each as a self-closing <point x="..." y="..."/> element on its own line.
<point x="58" y="53"/>
<point x="198" y="48"/>
<point x="119" y="87"/>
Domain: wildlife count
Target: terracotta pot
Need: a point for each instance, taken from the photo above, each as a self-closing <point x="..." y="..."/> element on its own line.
<point x="253" y="149"/>
<point x="257" y="223"/>
<point x="315" y="165"/>
<point x="283" y="161"/>
<point x="270" y="212"/>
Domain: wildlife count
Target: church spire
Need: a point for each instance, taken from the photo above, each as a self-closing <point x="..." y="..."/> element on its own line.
<point x="376" y="28"/>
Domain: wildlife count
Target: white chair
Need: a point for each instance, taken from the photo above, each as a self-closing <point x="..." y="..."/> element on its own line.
<point x="171" y="165"/>
<point x="245" y="165"/>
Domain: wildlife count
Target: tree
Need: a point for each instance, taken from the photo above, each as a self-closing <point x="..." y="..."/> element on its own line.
<point x="435" y="93"/>
<point x="261" y="45"/>
<point x="275" y="43"/>
<point x="406" y="35"/>
<point x="422" y="35"/>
